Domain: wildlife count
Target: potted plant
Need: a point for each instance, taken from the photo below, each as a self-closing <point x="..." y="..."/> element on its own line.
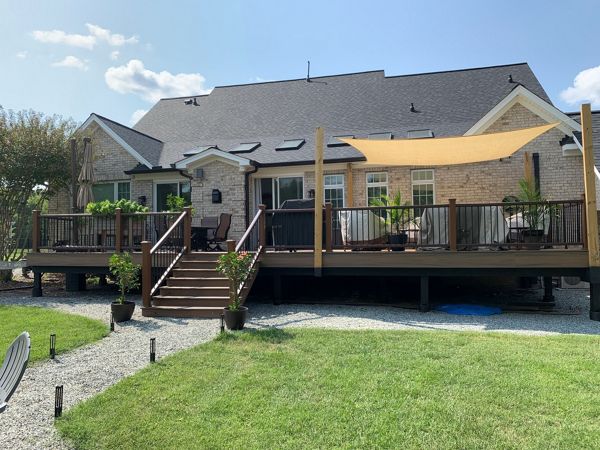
<point x="126" y="273"/>
<point x="236" y="267"/>
<point x="535" y="213"/>
<point x="397" y="216"/>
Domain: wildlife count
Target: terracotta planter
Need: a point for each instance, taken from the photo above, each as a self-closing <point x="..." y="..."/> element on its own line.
<point x="122" y="312"/>
<point x="235" y="320"/>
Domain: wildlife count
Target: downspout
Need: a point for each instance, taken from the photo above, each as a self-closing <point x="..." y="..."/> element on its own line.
<point x="536" y="170"/>
<point x="247" y="195"/>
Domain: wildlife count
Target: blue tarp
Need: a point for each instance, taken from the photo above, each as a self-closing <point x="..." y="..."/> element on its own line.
<point x="470" y="310"/>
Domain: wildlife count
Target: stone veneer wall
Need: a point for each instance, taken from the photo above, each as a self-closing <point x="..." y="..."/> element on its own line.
<point x="230" y="181"/>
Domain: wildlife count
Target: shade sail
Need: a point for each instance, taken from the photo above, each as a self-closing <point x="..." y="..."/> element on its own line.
<point x="446" y="151"/>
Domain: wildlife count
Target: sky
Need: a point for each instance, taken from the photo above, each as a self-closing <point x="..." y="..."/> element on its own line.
<point x="117" y="58"/>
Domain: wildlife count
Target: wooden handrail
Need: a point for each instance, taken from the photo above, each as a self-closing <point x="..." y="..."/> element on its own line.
<point x="169" y="231"/>
<point x="248" y="231"/>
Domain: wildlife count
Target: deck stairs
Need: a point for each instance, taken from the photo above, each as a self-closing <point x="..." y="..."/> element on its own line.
<point x="193" y="289"/>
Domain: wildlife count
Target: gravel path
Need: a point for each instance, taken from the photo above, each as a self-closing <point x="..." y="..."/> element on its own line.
<point x="27" y="423"/>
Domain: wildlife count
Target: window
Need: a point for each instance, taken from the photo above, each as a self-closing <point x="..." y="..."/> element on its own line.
<point x="290" y="144"/>
<point x="377" y="185"/>
<point x="195" y="151"/>
<point x="112" y="191"/>
<point x="335" y="140"/>
<point x="423" y="182"/>
<point x="376" y="136"/>
<point x="419" y="134"/>
<point x="246" y="147"/>
<point x="182" y="189"/>
<point x="334" y="190"/>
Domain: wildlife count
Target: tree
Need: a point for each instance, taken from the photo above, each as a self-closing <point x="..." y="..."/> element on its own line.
<point x="35" y="163"/>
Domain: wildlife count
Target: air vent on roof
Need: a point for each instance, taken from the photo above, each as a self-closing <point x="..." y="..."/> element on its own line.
<point x="290" y="144"/>
<point x="419" y="134"/>
<point x="246" y="147"/>
<point x="385" y="135"/>
<point x="198" y="150"/>
<point x="335" y="140"/>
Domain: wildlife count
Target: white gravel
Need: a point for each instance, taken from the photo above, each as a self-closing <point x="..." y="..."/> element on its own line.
<point x="28" y="421"/>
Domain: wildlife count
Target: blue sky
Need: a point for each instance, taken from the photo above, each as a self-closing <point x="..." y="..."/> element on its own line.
<point x="116" y="57"/>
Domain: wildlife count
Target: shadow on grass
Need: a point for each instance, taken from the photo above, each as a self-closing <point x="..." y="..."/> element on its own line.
<point x="269" y="335"/>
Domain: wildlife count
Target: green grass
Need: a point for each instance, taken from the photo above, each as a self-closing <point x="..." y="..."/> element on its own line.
<point x="71" y="330"/>
<point x="306" y="389"/>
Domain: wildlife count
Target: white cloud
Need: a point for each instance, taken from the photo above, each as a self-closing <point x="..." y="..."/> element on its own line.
<point x="134" y="78"/>
<point x="96" y="34"/>
<point x="115" y="40"/>
<point x="586" y="88"/>
<point x="137" y="115"/>
<point x="114" y="55"/>
<point x="60" y="37"/>
<point x="22" y="55"/>
<point x="72" y="62"/>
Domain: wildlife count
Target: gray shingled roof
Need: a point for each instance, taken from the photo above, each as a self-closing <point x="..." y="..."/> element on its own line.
<point x="147" y="146"/>
<point x="595" y="132"/>
<point x="448" y="103"/>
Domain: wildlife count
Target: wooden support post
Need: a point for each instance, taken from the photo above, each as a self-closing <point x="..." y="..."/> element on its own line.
<point x="35" y="231"/>
<point x="230" y="245"/>
<point x="349" y="186"/>
<point x="583" y="224"/>
<point x="187" y="229"/>
<point x="548" y="296"/>
<point x="74" y="175"/>
<point x="146" y="274"/>
<point x="328" y="227"/>
<point x="594" y="297"/>
<point x="74" y="282"/>
<point x="589" y="179"/>
<point x="319" y="195"/>
<point x="118" y="231"/>
<point x="452" y="224"/>
<point x="527" y="168"/>
<point x="262" y="228"/>
<point x="424" y="300"/>
<point x="37" y="285"/>
<point x="277" y="289"/>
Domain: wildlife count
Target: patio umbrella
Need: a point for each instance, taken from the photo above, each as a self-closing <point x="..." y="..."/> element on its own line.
<point x="86" y="178"/>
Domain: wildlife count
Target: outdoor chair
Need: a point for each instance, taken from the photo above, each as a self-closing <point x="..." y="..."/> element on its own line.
<point x="13" y="367"/>
<point x="214" y="244"/>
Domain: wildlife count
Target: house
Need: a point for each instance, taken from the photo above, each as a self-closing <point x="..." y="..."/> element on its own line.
<point x="254" y="144"/>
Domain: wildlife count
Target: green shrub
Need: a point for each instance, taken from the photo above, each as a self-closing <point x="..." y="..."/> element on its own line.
<point x="126" y="271"/>
<point x="108" y="208"/>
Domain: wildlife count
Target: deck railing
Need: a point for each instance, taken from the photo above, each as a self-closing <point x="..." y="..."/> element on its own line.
<point x="159" y="259"/>
<point x="94" y="233"/>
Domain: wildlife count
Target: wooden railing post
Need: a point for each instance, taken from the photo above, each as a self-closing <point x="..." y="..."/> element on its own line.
<point x="230" y="245"/>
<point x="328" y="227"/>
<point x="35" y="231"/>
<point x="146" y="274"/>
<point x="262" y="227"/>
<point x="187" y="229"/>
<point x="583" y="223"/>
<point x="452" y="225"/>
<point x="118" y="231"/>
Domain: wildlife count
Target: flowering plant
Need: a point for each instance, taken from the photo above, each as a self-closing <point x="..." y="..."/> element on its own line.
<point x="236" y="267"/>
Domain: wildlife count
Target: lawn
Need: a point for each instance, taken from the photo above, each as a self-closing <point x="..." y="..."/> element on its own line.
<point x="354" y="389"/>
<point x="71" y="330"/>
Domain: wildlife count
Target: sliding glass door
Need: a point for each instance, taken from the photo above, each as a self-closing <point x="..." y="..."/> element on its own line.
<point x="272" y="192"/>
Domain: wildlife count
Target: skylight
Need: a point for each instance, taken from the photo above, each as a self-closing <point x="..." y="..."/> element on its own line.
<point x="385" y="135"/>
<point x="246" y="147"/>
<point x="290" y="144"/>
<point x="419" y="134"/>
<point x="335" y="140"/>
<point x="197" y="150"/>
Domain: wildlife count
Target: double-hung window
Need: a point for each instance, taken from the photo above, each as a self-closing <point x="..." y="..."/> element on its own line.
<point x="377" y="185"/>
<point x="423" y="187"/>
<point x="112" y="191"/>
<point x="334" y="190"/>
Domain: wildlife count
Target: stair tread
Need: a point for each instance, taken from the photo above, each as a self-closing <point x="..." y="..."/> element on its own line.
<point x="214" y="308"/>
<point x="192" y="297"/>
<point x="196" y="287"/>
<point x="199" y="278"/>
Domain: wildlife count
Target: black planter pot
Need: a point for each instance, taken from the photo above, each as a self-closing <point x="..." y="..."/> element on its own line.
<point x="398" y="239"/>
<point x="235" y="320"/>
<point x="533" y="238"/>
<point x="122" y="312"/>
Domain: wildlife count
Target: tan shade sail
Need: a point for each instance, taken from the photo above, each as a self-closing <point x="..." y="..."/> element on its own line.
<point x="446" y="151"/>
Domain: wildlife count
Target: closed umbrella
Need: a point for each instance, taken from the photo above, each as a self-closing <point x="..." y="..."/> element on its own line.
<point x="86" y="178"/>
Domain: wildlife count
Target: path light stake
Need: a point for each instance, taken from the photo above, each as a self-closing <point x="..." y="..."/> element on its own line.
<point x="222" y="323"/>
<point x="112" y="322"/>
<point x="152" y="350"/>
<point x="52" y="346"/>
<point x="58" y="401"/>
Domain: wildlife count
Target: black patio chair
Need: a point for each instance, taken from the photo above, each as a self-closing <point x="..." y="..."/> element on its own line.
<point x="213" y="244"/>
<point x="13" y="367"/>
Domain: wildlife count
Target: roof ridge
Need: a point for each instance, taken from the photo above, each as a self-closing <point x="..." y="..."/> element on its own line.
<point x="468" y="69"/>
<point x="129" y="128"/>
